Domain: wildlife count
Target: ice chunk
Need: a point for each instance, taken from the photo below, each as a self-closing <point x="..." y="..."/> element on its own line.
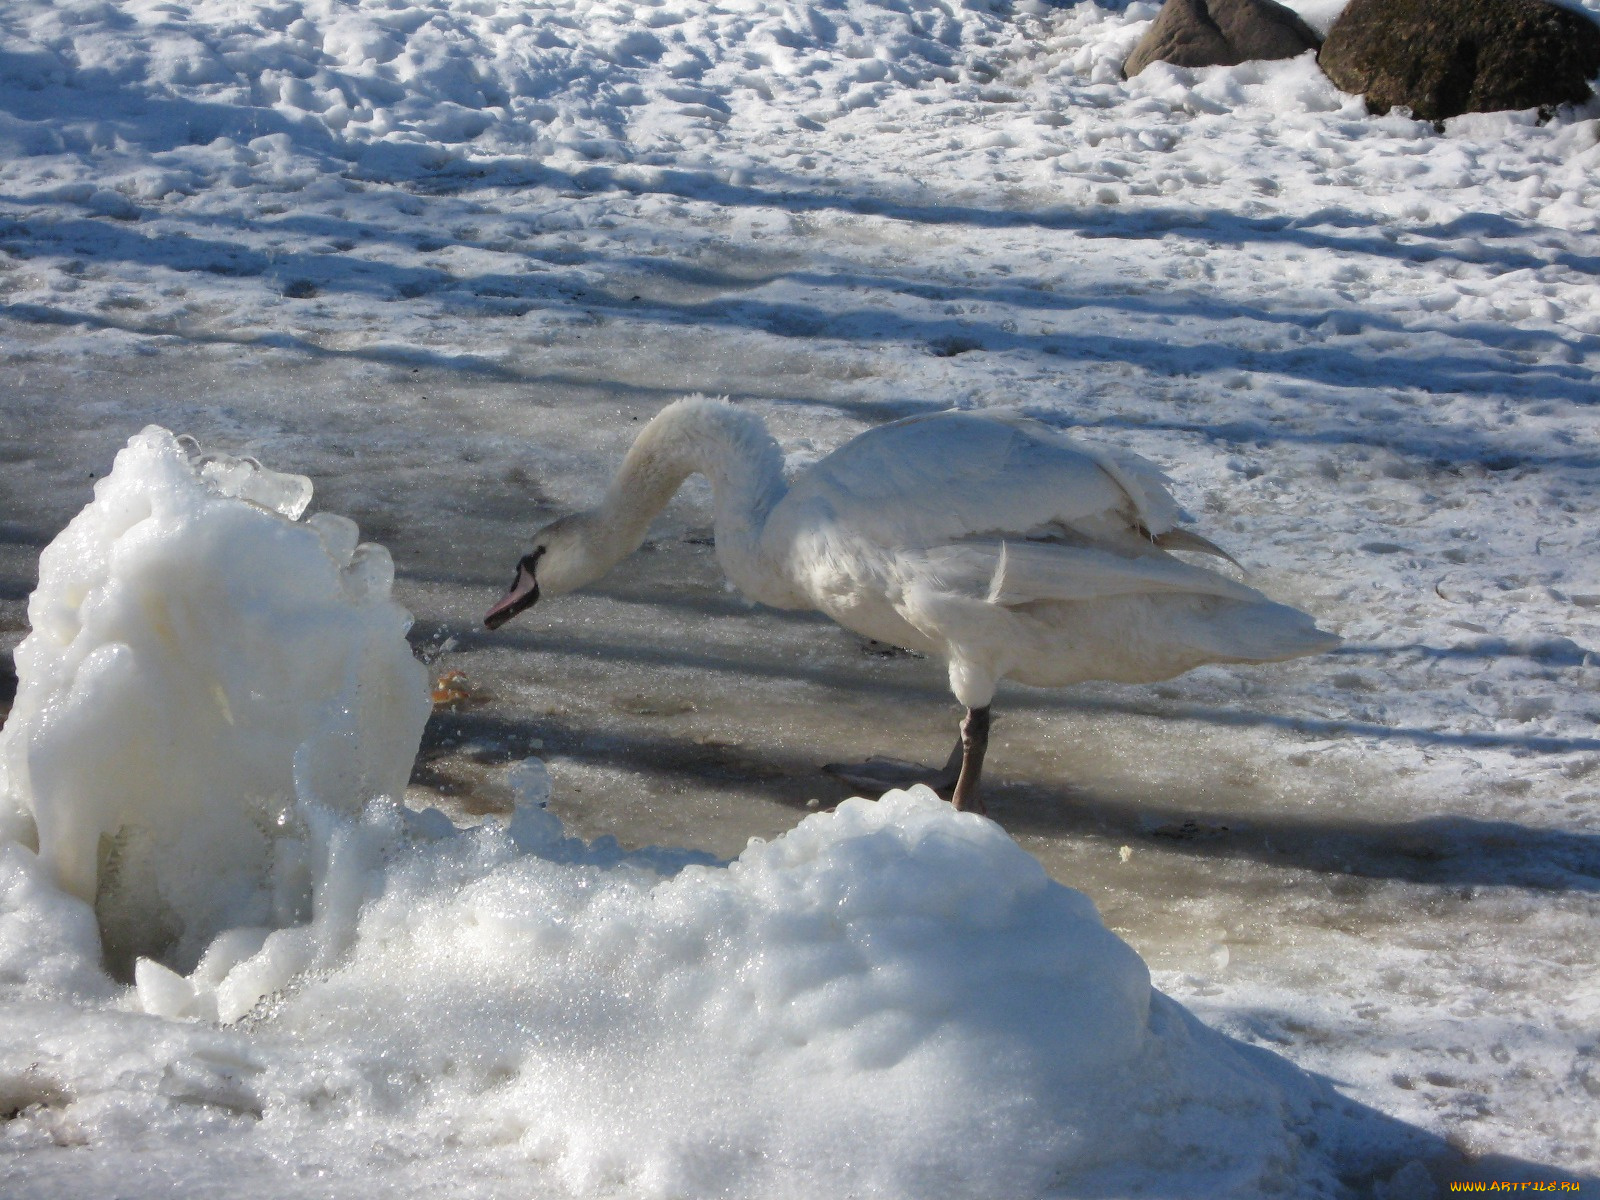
<point x="530" y="783"/>
<point x="246" y="479"/>
<point x="161" y="992"/>
<point x="370" y="574"/>
<point x="49" y="945"/>
<point x="339" y="535"/>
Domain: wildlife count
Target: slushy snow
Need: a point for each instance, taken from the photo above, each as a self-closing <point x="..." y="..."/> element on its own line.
<point x="892" y="999"/>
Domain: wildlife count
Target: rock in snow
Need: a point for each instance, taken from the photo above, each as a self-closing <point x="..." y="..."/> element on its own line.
<point x="1442" y="58"/>
<point x="1209" y="33"/>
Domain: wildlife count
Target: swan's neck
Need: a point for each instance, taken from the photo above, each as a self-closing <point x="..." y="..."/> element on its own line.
<point x="735" y="452"/>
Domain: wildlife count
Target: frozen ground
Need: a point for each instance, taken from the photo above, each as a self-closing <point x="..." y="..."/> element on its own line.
<point x="443" y="259"/>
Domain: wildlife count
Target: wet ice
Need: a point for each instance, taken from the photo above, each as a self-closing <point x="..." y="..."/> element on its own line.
<point x="1361" y="347"/>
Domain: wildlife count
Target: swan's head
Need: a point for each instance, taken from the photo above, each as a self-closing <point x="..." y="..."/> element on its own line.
<point x="564" y="558"/>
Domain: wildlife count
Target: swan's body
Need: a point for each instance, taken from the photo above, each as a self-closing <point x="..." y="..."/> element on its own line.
<point x="988" y="540"/>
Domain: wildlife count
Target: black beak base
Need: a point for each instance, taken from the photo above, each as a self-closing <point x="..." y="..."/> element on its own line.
<point x="524" y="594"/>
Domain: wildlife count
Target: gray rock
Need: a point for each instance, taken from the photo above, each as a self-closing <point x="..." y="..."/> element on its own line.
<point x="1441" y="58"/>
<point x="1218" y="33"/>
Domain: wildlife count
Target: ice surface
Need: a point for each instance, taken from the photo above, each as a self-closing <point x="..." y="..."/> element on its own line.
<point x="1363" y="349"/>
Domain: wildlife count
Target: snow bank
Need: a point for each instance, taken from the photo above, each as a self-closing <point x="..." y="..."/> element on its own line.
<point x="202" y="669"/>
<point x="892" y="999"/>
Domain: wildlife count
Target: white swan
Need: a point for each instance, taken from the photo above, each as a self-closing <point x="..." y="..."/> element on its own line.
<point x="986" y="539"/>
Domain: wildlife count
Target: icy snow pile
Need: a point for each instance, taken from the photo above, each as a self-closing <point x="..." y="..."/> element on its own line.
<point x="891" y="999"/>
<point x="201" y="668"/>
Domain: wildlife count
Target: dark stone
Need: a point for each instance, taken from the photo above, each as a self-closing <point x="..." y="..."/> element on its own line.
<point x="1220" y="33"/>
<point x="1441" y="58"/>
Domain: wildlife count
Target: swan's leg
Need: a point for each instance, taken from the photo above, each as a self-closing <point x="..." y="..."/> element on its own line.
<point x="958" y="778"/>
<point x="974" y="743"/>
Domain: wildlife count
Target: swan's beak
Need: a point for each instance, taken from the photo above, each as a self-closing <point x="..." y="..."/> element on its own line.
<point x="524" y="593"/>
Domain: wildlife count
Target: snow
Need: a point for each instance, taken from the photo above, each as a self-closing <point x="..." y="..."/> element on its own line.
<point x="442" y="258"/>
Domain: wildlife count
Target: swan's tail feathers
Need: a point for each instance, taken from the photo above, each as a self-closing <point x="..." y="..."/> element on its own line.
<point x="1184" y="539"/>
<point x="1263" y="631"/>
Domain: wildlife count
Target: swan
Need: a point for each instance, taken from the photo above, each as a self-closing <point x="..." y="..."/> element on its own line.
<point x="986" y="539"/>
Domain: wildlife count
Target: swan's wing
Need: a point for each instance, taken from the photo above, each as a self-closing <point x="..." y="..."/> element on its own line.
<point x="946" y="477"/>
<point x="1013" y="573"/>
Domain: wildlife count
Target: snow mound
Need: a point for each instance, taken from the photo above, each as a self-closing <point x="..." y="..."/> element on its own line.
<point x="202" y="667"/>
<point x="891" y="1000"/>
